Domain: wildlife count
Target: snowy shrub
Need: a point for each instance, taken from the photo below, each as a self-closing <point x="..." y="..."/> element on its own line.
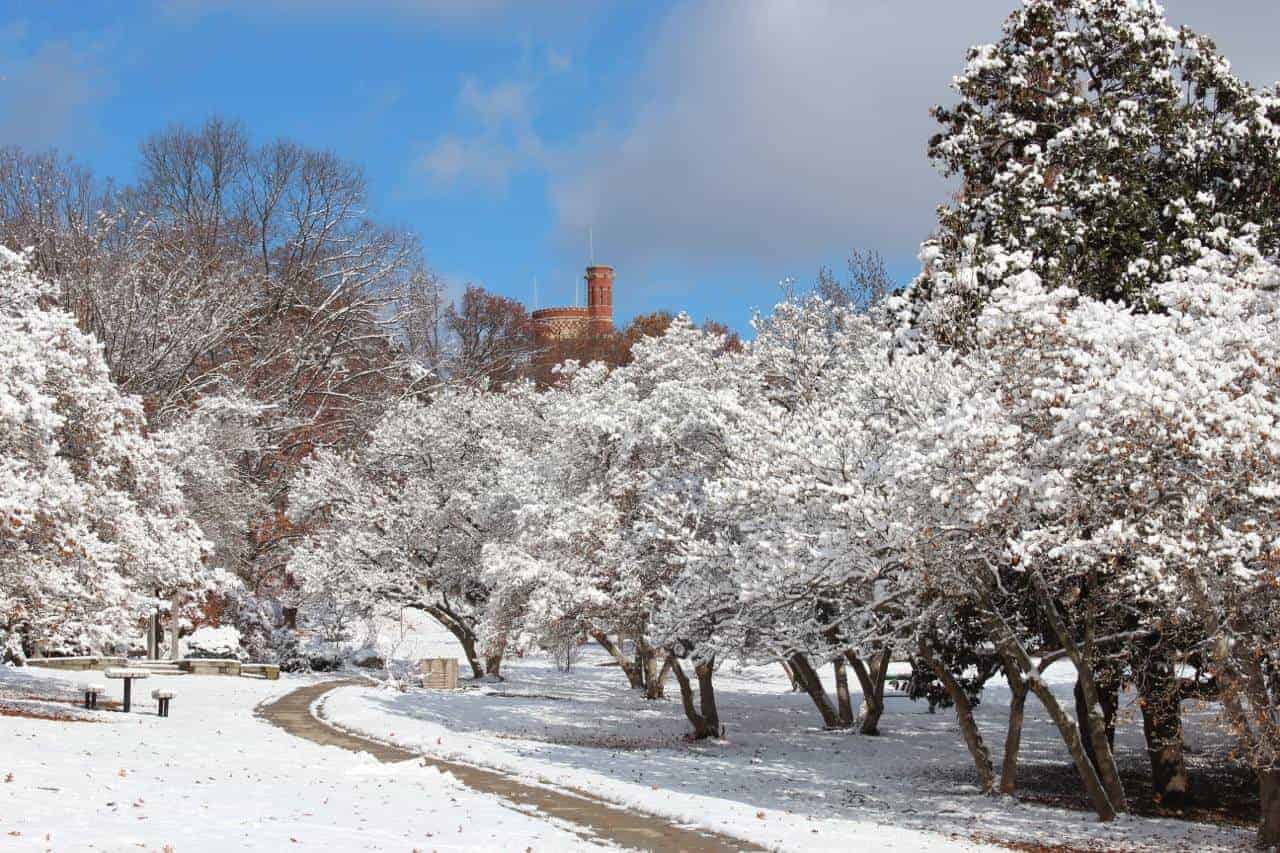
<point x="286" y="651"/>
<point x="221" y="642"/>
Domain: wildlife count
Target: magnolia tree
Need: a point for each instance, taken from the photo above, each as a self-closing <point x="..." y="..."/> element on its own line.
<point x="1105" y="141"/>
<point x="94" y="534"/>
<point x="402" y="521"/>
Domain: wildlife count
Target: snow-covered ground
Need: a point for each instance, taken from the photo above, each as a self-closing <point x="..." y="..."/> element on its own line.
<point x="213" y="777"/>
<point x="777" y="779"/>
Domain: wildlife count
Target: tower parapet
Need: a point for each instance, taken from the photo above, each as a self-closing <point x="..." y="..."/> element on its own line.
<point x="572" y="322"/>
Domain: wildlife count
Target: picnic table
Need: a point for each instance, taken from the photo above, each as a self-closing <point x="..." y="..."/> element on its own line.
<point x="128" y="675"/>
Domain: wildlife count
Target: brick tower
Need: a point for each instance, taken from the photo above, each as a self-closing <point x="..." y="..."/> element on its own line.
<point x="600" y="298"/>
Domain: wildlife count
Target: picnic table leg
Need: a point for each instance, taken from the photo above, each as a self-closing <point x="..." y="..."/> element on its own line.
<point x="128" y="682"/>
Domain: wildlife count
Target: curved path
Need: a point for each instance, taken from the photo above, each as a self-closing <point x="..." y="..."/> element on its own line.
<point x="589" y="817"/>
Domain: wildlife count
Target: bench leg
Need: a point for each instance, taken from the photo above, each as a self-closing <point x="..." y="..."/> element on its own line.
<point x="164" y="707"/>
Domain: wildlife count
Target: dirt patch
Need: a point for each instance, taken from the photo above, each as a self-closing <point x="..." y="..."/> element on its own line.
<point x="1223" y="792"/>
<point x="43" y="711"/>
<point x="594" y="741"/>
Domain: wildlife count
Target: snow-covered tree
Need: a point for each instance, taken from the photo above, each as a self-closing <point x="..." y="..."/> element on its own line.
<point x="1104" y="143"/>
<point x="402" y="521"/>
<point x="94" y="534"/>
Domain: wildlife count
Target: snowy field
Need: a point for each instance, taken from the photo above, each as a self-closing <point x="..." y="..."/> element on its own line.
<point x="777" y="779"/>
<point x="213" y="778"/>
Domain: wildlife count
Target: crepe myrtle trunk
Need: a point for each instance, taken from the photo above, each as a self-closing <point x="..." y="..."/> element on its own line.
<point x="812" y="684"/>
<point x="654" y="676"/>
<point x="1018" y="690"/>
<point x="1108" y="691"/>
<point x="872" y="683"/>
<point x="703" y="716"/>
<point x="633" y="671"/>
<point x="1011" y="650"/>
<point x="964" y="716"/>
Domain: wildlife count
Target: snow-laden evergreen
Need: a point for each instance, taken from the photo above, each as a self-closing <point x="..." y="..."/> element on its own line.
<point x="93" y="526"/>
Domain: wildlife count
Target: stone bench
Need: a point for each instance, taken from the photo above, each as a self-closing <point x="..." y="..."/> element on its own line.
<point x="269" y="671"/>
<point x="91" y="694"/>
<point x="163" y="698"/>
<point x="210" y="666"/>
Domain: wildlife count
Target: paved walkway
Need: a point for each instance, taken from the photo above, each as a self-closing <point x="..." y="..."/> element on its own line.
<point x="589" y="817"/>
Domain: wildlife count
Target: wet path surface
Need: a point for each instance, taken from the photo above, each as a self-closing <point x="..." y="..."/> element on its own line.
<point x="589" y="817"/>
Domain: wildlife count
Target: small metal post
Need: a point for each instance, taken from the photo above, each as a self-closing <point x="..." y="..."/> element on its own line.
<point x="128" y="683"/>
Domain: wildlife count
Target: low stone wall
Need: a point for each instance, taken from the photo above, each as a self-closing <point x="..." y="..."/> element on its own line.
<point x="80" y="664"/>
<point x="210" y="666"/>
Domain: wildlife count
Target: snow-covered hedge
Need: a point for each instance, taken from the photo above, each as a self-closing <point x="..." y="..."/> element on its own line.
<point x="223" y="642"/>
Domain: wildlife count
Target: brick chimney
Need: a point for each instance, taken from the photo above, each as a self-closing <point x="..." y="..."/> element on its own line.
<point x="600" y="298"/>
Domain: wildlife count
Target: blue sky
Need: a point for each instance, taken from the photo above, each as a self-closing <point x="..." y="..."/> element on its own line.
<point x="714" y="146"/>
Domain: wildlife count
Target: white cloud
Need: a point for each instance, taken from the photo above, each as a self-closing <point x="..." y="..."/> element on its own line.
<point x="44" y="93"/>
<point x="504" y="143"/>
<point x="781" y="129"/>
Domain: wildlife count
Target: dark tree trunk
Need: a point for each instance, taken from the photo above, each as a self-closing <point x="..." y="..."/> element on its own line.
<point x="1013" y="736"/>
<point x="872" y="684"/>
<point x="468" y="642"/>
<point x="465" y="636"/>
<point x="968" y="725"/>
<point x="701" y="730"/>
<point x="707" y="697"/>
<point x="844" y="703"/>
<point x="1109" y="701"/>
<point x="493" y="666"/>
<point x="812" y="685"/>
<point x="1067" y="727"/>
<point x="634" y="673"/>
<point x="1269" y="796"/>
<point x="1160" y="697"/>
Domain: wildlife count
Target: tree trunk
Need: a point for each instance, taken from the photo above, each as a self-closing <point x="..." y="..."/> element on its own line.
<point x="1109" y="702"/>
<point x="493" y="666"/>
<point x="656" y="688"/>
<point x="791" y="676"/>
<point x="465" y="636"/>
<point x="872" y="684"/>
<point x="968" y="725"/>
<point x="843" y="701"/>
<point x="1092" y="722"/>
<point x="1269" y="796"/>
<point x="1067" y="728"/>
<point x="1013" y="736"/>
<point x="701" y="730"/>
<point x="634" y="674"/>
<point x="812" y="685"/>
<point x="1161" y="702"/>
<point x="707" y="698"/>
<point x="650" y="676"/>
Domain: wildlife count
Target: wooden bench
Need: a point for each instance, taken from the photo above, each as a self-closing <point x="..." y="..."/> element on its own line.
<point x="91" y="694"/>
<point x="269" y="671"/>
<point x="163" y="697"/>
